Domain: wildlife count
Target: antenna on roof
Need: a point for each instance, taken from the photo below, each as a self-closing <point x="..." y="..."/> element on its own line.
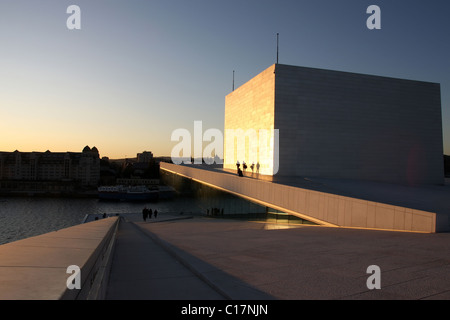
<point x="278" y="35"/>
<point x="233" y="80"/>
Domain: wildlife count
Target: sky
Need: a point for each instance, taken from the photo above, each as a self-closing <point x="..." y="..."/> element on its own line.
<point x="137" y="70"/>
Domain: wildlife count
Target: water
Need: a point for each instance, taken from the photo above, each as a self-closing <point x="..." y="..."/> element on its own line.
<point x="26" y="217"/>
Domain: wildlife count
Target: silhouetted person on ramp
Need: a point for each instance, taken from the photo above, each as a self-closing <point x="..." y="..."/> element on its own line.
<point x="145" y="214"/>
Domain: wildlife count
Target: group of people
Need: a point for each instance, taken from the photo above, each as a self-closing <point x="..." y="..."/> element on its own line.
<point x="147" y="213"/>
<point x="214" y="212"/>
<point x="244" y="166"/>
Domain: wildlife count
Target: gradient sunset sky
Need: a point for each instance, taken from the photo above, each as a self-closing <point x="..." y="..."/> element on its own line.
<point x="139" y="69"/>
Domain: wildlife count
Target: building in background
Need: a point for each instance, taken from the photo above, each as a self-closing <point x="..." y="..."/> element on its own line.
<point x="145" y="157"/>
<point x="41" y="169"/>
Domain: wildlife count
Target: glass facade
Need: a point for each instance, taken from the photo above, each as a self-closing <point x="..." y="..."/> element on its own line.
<point x="220" y="204"/>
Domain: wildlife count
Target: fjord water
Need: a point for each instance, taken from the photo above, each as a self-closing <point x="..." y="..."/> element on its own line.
<point x="23" y="217"/>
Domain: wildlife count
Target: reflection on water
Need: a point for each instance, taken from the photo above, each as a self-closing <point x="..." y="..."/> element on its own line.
<point x="26" y="217"/>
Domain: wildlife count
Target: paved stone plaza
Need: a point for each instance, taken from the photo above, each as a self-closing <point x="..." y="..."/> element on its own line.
<point x="306" y="262"/>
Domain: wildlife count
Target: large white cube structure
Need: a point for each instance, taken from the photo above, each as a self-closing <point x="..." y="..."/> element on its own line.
<point x="334" y="124"/>
<point x="249" y="111"/>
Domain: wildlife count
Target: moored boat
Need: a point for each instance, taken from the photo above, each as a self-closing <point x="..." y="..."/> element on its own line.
<point x="127" y="193"/>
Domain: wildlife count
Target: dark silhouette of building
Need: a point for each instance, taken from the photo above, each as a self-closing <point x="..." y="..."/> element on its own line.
<point x="80" y="167"/>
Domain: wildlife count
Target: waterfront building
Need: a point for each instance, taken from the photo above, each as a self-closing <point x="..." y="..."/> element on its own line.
<point x="334" y="124"/>
<point x="333" y="148"/>
<point x="82" y="168"/>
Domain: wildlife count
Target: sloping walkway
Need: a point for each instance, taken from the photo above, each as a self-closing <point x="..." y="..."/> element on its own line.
<point x="143" y="270"/>
<point x="312" y="262"/>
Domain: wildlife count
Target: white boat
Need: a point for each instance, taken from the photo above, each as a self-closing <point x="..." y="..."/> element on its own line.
<point x="127" y="193"/>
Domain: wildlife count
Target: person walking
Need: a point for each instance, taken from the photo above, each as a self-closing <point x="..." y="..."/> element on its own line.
<point x="155" y="213"/>
<point x="145" y="214"/>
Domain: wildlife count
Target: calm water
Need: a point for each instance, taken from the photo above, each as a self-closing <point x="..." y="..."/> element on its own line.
<point x="26" y="217"/>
